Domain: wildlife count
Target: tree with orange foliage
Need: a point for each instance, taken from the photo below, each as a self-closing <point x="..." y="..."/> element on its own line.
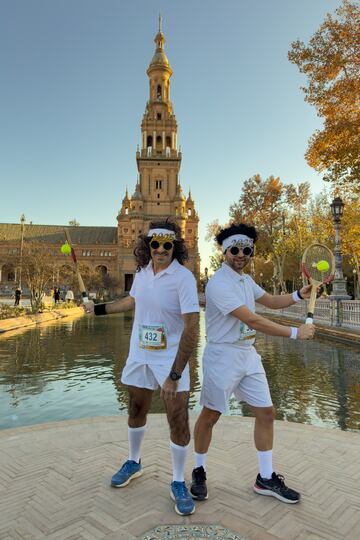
<point x="278" y="211"/>
<point x="331" y="63"/>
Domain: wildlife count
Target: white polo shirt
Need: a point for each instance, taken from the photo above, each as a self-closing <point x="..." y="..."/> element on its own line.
<point x="160" y="301"/>
<point x="226" y="291"/>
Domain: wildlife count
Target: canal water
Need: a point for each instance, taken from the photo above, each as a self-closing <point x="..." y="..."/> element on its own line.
<point x="71" y="369"/>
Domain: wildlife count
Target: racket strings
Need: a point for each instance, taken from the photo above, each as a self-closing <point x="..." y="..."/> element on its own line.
<point x="314" y="255"/>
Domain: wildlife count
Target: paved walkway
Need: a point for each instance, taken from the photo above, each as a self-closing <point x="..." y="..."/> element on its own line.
<point x="54" y="483"/>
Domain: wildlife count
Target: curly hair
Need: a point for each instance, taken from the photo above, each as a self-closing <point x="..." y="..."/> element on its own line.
<point x="240" y="228"/>
<point x="142" y="249"/>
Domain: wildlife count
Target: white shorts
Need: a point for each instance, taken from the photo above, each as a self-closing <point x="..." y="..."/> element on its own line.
<point x="152" y="376"/>
<point x="230" y="369"/>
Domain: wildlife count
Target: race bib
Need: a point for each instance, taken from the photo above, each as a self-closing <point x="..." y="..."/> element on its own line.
<point x="246" y="332"/>
<point x="152" y="336"/>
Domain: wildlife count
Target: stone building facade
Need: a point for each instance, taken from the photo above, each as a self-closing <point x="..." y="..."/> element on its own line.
<point x="157" y="194"/>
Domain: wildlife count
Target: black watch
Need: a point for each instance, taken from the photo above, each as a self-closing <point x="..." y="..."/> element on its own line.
<point x="174" y="376"/>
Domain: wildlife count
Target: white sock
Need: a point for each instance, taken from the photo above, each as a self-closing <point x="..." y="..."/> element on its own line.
<point x="178" y="458"/>
<point x="135" y="437"/>
<point x="265" y="463"/>
<point x="200" y="460"/>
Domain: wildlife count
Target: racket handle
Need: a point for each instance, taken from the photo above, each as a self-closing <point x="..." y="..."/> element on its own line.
<point x="311" y="306"/>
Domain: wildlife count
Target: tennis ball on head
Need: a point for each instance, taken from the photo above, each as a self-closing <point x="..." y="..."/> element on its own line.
<point x="65" y="249"/>
<point x="322" y="266"/>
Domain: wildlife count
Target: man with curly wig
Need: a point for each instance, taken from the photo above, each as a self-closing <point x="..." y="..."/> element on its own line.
<point x="164" y="334"/>
<point x="231" y="364"/>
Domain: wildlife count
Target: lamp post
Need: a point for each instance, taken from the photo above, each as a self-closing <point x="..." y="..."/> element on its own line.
<point x="206" y="278"/>
<point x="339" y="284"/>
<point x="22" y="224"/>
<point x="356" y="284"/>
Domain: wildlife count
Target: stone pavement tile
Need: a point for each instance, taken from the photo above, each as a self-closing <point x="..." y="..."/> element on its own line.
<point x="246" y="529"/>
<point x="70" y="493"/>
<point x="153" y="518"/>
<point x="119" y="535"/>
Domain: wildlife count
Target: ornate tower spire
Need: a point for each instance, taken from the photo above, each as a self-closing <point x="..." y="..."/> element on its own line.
<point x="158" y="192"/>
<point x="159" y="127"/>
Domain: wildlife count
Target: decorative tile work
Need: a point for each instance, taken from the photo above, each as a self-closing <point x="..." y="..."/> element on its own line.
<point x="191" y="532"/>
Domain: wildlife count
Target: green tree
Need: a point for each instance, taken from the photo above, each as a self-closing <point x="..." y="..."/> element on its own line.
<point x="331" y="63"/>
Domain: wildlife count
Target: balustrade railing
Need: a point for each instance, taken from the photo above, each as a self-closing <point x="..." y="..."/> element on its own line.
<point x="344" y="313"/>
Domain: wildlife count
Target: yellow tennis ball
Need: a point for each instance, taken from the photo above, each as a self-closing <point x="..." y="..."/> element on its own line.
<point x="322" y="266"/>
<point x="66" y="249"/>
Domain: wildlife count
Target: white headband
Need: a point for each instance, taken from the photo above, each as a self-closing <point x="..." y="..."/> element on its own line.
<point x="237" y="239"/>
<point x="161" y="232"/>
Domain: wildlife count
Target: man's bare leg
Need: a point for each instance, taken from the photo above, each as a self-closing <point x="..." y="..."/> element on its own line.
<point x="139" y="406"/>
<point x="202" y="440"/>
<point x="268" y="482"/>
<point x="203" y="429"/>
<point x="178" y="419"/>
<point x="264" y="427"/>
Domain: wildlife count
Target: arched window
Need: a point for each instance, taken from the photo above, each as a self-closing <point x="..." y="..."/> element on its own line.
<point x="158" y="143"/>
<point x="158" y="92"/>
<point x="8" y="273"/>
<point x="102" y="270"/>
<point x="149" y="141"/>
<point x="189" y="212"/>
<point x="168" y="141"/>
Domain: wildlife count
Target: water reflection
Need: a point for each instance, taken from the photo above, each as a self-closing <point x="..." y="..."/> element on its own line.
<point x="72" y="369"/>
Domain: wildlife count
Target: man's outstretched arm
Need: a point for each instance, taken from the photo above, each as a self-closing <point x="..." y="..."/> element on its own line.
<point x="280" y="301"/>
<point x="119" y="306"/>
<point x="257" y="322"/>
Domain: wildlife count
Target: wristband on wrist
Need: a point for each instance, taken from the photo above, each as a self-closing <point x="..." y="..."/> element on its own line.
<point x="294" y="332"/>
<point x="100" y="309"/>
<point x="296" y="296"/>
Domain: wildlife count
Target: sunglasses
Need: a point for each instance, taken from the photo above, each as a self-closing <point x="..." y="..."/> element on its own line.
<point x="247" y="251"/>
<point x="155" y="244"/>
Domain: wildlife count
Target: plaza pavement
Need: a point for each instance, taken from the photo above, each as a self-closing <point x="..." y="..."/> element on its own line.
<point x="54" y="483"/>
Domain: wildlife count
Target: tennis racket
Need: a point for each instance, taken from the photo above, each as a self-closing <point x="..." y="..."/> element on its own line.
<point x="84" y="294"/>
<point x="318" y="267"/>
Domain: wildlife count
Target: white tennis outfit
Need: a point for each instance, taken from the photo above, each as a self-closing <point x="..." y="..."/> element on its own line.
<point x="160" y="301"/>
<point x="231" y="364"/>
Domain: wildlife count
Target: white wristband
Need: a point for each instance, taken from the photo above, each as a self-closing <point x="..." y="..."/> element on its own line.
<point x="295" y="296"/>
<point x="294" y="332"/>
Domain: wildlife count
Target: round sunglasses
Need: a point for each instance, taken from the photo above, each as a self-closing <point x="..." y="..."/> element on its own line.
<point x="247" y="251"/>
<point x="154" y="244"/>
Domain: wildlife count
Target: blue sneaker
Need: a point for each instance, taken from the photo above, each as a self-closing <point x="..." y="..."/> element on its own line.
<point x="128" y="471"/>
<point x="184" y="505"/>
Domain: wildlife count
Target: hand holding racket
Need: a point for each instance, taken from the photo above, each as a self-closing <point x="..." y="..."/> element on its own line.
<point x="318" y="267"/>
<point x="84" y="294"/>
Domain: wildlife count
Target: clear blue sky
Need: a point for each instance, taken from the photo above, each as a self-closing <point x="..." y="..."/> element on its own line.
<point x="74" y="86"/>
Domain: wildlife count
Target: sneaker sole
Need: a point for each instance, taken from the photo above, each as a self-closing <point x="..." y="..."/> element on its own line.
<point x="196" y="498"/>
<point x="269" y="493"/>
<point x="176" y="508"/>
<point x="135" y="475"/>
